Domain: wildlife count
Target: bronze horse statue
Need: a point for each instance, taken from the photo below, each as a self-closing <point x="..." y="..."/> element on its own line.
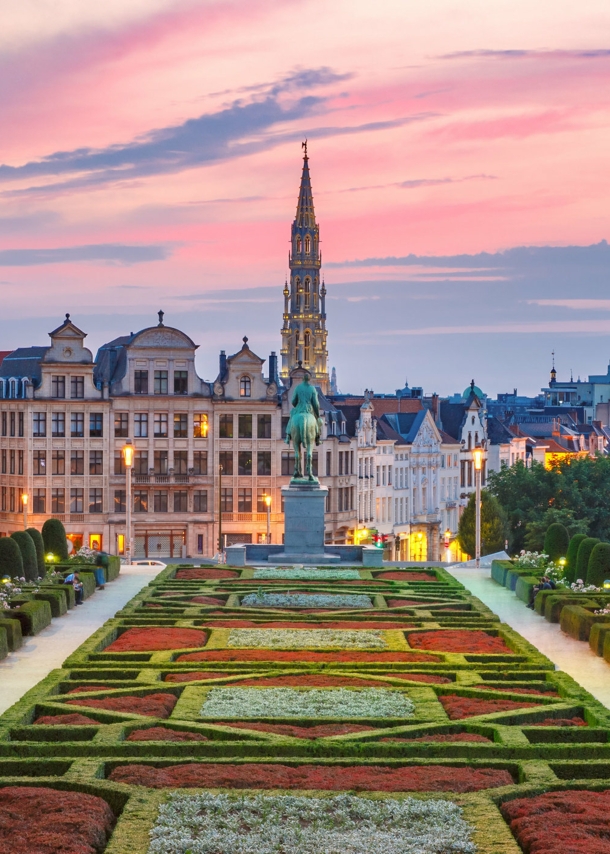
<point x="303" y="428"/>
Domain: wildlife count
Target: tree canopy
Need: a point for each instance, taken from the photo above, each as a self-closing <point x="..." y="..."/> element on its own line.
<point x="494" y="525"/>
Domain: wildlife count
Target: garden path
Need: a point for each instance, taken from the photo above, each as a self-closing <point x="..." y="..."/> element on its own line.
<point x="573" y="657"/>
<point x="46" y="651"/>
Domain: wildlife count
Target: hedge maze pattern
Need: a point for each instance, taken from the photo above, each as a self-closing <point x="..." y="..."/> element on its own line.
<point x="423" y="697"/>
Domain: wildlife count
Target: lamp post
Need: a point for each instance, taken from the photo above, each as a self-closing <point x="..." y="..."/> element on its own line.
<point x="219" y="510"/>
<point x="447" y="544"/>
<point x="24" y="501"/>
<point x="128" y="460"/>
<point x="477" y="455"/>
<point x="268" y="503"/>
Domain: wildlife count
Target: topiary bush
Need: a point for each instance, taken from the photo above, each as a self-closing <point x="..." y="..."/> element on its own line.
<point x="28" y="554"/>
<point x="582" y="559"/>
<point x="11" y="562"/>
<point x="572" y="556"/>
<point x="599" y="565"/>
<point x="39" y="546"/>
<point x="54" y="537"/>
<point x="556" y="541"/>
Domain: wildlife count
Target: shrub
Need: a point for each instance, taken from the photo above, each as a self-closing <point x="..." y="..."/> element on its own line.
<point x="28" y="554"/>
<point x="39" y="546"/>
<point x="54" y="537"/>
<point x="11" y="562"/>
<point x="582" y="559"/>
<point x="556" y="541"/>
<point x="572" y="556"/>
<point x="599" y="565"/>
<point x="494" y="525"/>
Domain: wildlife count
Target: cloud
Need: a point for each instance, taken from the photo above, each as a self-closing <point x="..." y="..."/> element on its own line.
<point x="107" y="253"/>
<point x="37" y="220"/>
<point x="576" y="304"/>
<point x="553" y="327"/>
<point x="598" y="53"/>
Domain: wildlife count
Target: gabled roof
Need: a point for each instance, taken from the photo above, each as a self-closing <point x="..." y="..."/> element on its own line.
<point x="23" y="362"/>
<point x="497" y="432"/>
<point x="406" y="424"/>
<point x="452" y="418"/>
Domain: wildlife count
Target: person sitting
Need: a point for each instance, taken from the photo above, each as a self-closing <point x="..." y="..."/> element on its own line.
<point x="73" y="579"/>
<point x="101" y="562"/>
<point x="544" y="583"/>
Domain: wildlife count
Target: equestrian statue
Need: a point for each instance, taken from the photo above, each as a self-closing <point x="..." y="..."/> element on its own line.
<point x="304" y="427"/>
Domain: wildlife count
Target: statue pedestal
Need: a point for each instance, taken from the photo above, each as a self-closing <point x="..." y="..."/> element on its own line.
<point x="304" y="503"/>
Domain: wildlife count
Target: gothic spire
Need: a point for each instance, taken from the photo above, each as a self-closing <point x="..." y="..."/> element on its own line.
<point x="305" y="217"/>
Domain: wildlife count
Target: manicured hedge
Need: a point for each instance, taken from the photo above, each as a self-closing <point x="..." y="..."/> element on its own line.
<point x="54" y="538"/>
<point x="28" y="554"/>
<point x="572" y="556"/>
<point x="582" y="558"/>
<point x="598" y="569"/>
<point x="577" y="621"/>
<point x="14" y="635"/>
<point x="11" y="562"/>
<point x="556" y="541"/>
<point x="34" y="616"/>
<point x="39" y="546"/>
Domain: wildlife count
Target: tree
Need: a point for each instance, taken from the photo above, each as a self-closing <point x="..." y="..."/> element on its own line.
<point x="535" y="531"/>
<point x="525" y="494"/>
<point x="599" y="565"/>
<point x="494" y="525"/>
<point x="572" y="556"/>
<point x="54" y="537"/>
<point x="556" y="541"/>
<point x="39" y="546"/>
<point x="11" y="562"/>
<point x="582" y="559"/>
<point x="28" y="554"/>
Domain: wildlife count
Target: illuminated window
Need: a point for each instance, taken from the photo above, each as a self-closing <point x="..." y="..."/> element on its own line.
<point x="307" y="244"/>
<point x="200" y="426"/>
<point x="298" y="245"/>
<point x="245" y="387"/>
<point x="307" y="346"/>
<point x="307" y="293"/>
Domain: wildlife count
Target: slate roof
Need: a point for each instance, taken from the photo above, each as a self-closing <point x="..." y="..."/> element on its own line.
<point x="452" y="418"/>
<point x="23" y="362"/>
<point x="497" y="432"/>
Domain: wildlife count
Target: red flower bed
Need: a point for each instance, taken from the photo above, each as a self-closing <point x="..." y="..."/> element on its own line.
<point x="421" y="677"/>
<point x="560" y="722"/>
<point x="153" y="705"/>
<point x="291" y="582"/>
<point x="311" y="681"/>
<point x="166" y="595"/>
<point x="39" y="820"/>
<point x="64" y="720"/>
<point x="88" y="688"/>
<point x="573" y="822"/>
<point x="458" y="640"/>
<point x="152" y="605"/>
<point x="303" y="655"/>
<point x="285" y="624"/>
<point x="409" y="603"/>
<point x="155" y="639"/>
<point x="453" y="736"/>
<point x="207" y="600"/>
<point x="195" y="574"/>
<point x="320" y="731"/>
<point x="539" y="691"/>
<point x="372" y="778"/>
<point x="195" y="675"/>
<point x="465" y="707"/>
<point x="162" y="733"/>
<point x="397" y="575"/>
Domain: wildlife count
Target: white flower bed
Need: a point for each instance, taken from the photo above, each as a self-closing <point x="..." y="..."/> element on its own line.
<point x="307" y="639"/>
<point x="292" y="824"/>
<point x="306" y="703"/>
<point x="312" y="574"/>
<point x="306" y="600"/>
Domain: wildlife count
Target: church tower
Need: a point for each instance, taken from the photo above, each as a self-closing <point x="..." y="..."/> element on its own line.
<point x="304" y="331"/>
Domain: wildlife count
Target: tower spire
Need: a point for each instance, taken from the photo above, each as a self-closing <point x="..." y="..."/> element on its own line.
<point x="305" y="217"/>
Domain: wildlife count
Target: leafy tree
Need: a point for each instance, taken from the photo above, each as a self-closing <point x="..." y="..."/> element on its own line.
<point x="572" y="556"/>
<point x="11" y="562"/>
<point x="39" y="546"/>
<point x="599" y="565"/>
<point x="54" y="537"/>
<point x="525" y="494"/>
<point x="582" y="559"/>
<point x="28" y="554"/>
<point x="556" y="541"/>
<point x="535" y="531"/>
<point x="494" y="525"/>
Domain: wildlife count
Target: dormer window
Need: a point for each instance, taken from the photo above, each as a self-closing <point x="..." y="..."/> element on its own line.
<point x="245" y="387"/>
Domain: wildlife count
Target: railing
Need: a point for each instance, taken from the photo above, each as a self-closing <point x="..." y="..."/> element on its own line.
<point x="251" y="517"/>
<point x="161" y="478"/>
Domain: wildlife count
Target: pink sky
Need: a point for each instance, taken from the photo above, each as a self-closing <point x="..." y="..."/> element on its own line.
<point x="437" y="128"/>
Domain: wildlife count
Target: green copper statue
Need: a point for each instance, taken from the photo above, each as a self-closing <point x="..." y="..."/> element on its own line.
<point x="304" y="426"/>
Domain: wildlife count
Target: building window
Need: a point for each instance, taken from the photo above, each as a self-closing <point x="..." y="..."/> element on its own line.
<point x="181" y="382"/>
<point x="225" y="426"/>
<point x="121" y="425"/>
<point x="180" y="425"/>
<point x="200" y="462"/>
<point x="3" y="498"/>
<point x="200" y="425"/>
<point x="140" y="385"/>
<point x="244" y="500"/>
<point x="307" y="244"/>
<point x="77" y="388"/>
<point x="12" y="462"/>
<point x="77" y="463"/>
<point x="245" y="387"/>
<point x="96" y="425"/>
<point x="307" y="303"/>
<point x="226" y="499"/>
<point x="285" y="421"/>
<point x="119" y="462"/>
<point x="140" y="501"/>
<point x="180" y="501"/>
<point x="200" y="501"/>
<point x="39" y="424"/>
<point x="95" y="462"/>
<point x="160" y="501"/>
<point x="160" y="425"/>
<point x="299" y="244"/>
<point x="4" y="423"/>
<point x="40" y="462"/>
<point x="11" y="499"/>
<point x="160" y="459"/>
<point x="263" y="463"/>
<point x="264" y="426"/>
<point x="58" y="462"/>
<point x="244" y="463"/>
<point x="140" y="462"/>
<point x="39" y="501"/>
<point x="225" y="459"/>
<point x="21" y="425"/>
<point x="180" y="462"/>
<point x="287" y="463"/>
<point x="58" y="386"/>
<point x="19" y="462"/>
<point x="58" y="425"/>
<point x="4" y="461"/>
<point x="329" y="463"/>
<point x="95" y="500"/>
<point x="120" y="501"/>
<point x="160" y="382"/>
<point x="307" y="346"/>
<point x="261" y="504"/>
<point x="140" y="425"/>
<point x="244" y="426"/>
<point x="58" y="500"/>
<point x="12" y="421"/>
<point x="340" y="463"/>
<point x="76" y="500"/>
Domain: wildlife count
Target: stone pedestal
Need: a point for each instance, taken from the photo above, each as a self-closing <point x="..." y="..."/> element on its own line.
<point x="304" y="503"/>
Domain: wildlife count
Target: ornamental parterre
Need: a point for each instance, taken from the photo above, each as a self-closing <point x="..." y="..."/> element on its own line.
<point x="312" y="574"/>
<point x="306" y="600"/>
<point x="306" y="639"/>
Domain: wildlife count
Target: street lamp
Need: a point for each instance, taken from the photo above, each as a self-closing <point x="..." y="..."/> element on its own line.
<point x="220" y="549"/>
<point x="447" y="543"/>
<point x="477" y="455"/>
<point x="24" y="501"/>
<point x="128" y="460"/>
<point x="268" y="503"/>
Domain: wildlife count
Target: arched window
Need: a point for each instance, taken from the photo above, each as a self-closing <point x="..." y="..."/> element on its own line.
<point x="299" y="245"/>
<point x="470" y="441"/>
<point x="245" y="387"/>
<point x="307" y="293"/>
<point x="297" y="341"/>
<point x="307" y="244"/>
<point x="307" y="346"/>
<point x="298" y="291"/>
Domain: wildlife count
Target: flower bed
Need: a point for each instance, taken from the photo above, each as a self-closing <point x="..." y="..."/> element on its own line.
<point x="458" y="737"/>
<point x="409" y="603"/>
<point x="334" y="778"/>
<point x="153" y="705"/>
<point x="458" y="708"/>
<point x="65" y="720"/>
<point x="207" y="600"/>
<point x="301" y="825"/>
<point x="575" y="721"/>
<point x="458" y="640"/>
<point x="205" y="574"/>
<point x="397" y="575"/>
<point x="305" y="655"/>
<point x="306" y="639"/>
<point x="306" y="600"/>
<point x="432" y="678"/>
<point x="84" y="688"/>
<point x="162" y="733"/>
<point x="40" y="820"/>
<point x="518" y="690"/>
<point x="195" y="675"/>
<point x="307" y="574"/>
<point x="326" y="624"/>
<point x="152" y="639"/>
<point x="311" y="703"/>
<point x="319" y="731"/>
<point x="571" y="822"/>
<point x="315" y="680"/>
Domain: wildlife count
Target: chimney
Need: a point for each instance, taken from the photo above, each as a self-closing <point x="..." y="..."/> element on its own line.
<point x="273" y="367"/>
<point x="222" y="367"/>
<point x="434" y="408"/>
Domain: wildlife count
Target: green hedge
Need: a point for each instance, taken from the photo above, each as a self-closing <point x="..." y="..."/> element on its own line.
<point x="499" y="568"/>
<point x="11" y="562"/>
<point x="572" y="556"/>
<point x="598" y="569"/>
<point x="28" y="554"/>
<point x="582" y="559"/>
<point x="56" y="600"/>
<point x="39" y="546"/>
<point x="577" y="621"/>
<point x="556" y="541"/>
<point x="597" y="637"/>
<point x="34" y="616"/>
<point x="524" y="587"/>
<point x="54" y="537"/>
<point x="14" y="635"/>
<point x="4" y="649"/>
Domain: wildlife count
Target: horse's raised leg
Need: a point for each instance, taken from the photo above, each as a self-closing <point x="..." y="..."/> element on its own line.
<point x="297" y="459"/>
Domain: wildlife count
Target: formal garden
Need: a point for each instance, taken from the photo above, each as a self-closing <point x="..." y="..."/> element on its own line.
<point x="233" y="711"/>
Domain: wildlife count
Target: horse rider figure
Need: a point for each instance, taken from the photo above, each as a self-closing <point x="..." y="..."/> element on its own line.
<point x="304" y="426"/>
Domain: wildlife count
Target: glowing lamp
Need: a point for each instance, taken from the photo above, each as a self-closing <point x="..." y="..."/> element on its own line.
<point x="128" y="454"/>
<point x="477" y="456"/>
<point x="606" y="584"/>
<point x="24" y="499"/>
<point x="562" y="561"/>
<point x="267" y="500"/>
<point x="50" y="558"/>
